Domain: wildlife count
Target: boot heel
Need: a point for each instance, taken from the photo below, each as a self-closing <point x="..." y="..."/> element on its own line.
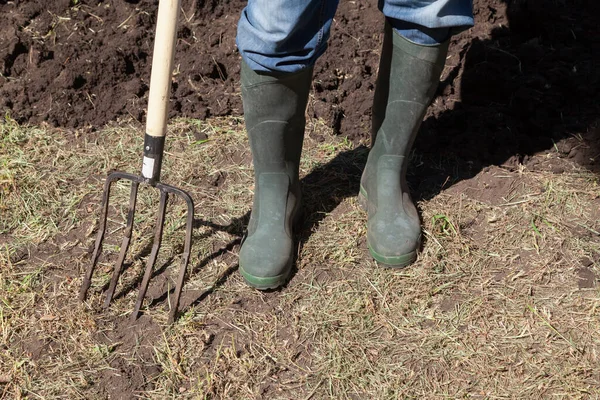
<point x="362" y="199"/>
<point x="298" y="220"/>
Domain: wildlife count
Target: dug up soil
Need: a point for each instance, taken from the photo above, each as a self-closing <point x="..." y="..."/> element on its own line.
<point x="525" y="77"/>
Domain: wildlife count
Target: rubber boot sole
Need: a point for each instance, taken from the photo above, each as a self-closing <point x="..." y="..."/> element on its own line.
<point x="266" y="283"/>
<point x="398" y="262"/>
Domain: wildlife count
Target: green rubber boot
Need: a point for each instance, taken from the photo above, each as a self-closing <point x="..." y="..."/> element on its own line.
<point x="408" y="78"/>
<point x="274" y="107"/>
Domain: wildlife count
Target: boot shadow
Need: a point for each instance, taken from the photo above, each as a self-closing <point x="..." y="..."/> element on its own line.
<point x="324" y="188"/>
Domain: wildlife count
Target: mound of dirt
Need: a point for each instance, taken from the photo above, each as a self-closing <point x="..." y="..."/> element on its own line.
<point x="525" y="77"/>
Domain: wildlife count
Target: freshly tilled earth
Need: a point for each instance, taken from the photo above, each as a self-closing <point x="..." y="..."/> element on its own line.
<point x="522" y="79"/>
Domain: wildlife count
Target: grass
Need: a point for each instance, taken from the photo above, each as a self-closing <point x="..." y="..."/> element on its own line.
<point x="502" y="302"/>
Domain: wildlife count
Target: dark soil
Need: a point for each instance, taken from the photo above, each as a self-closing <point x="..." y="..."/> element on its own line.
<point x="523" y="79"/>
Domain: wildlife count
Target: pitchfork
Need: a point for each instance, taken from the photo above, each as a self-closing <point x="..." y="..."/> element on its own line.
<point x="154" y="140"/>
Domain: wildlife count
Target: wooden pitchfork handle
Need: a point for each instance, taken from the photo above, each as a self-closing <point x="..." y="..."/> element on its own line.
<point x="160" y="88"/>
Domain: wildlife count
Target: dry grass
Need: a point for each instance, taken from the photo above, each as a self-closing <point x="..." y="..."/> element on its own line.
<point x="502" y="303"/>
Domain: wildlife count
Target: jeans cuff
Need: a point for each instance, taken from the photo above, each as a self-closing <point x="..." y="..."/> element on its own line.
<point x="420" y="34"/>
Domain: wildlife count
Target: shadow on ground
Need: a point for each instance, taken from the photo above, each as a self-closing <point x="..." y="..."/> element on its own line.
<point x="531" y="87"/>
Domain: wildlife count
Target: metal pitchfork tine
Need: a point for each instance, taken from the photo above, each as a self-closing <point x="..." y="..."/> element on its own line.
<point x="154" y="140"/>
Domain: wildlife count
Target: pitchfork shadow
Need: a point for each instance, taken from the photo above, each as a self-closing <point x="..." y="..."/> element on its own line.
<point x="135" y="283"/>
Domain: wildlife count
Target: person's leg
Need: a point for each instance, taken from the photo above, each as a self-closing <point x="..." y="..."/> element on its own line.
<point x="279" y="41"/>
<point x="412" y="59"/>
<point x="284" y="35"/>
<point x="428" y="22"/>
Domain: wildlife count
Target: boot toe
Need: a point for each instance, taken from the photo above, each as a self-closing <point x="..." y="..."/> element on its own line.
<point x="393" y="243"/>
<point x="265" y="263"/>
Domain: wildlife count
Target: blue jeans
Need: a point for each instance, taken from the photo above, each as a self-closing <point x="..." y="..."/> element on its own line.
<point x="289" y="35"/>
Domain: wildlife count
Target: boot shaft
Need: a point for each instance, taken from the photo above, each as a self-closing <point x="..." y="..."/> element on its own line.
<point x="274" y="113"/>
<point x="406" y="83"/>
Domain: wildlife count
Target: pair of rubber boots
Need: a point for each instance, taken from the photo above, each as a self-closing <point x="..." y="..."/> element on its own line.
<point x="274" y="112"/>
